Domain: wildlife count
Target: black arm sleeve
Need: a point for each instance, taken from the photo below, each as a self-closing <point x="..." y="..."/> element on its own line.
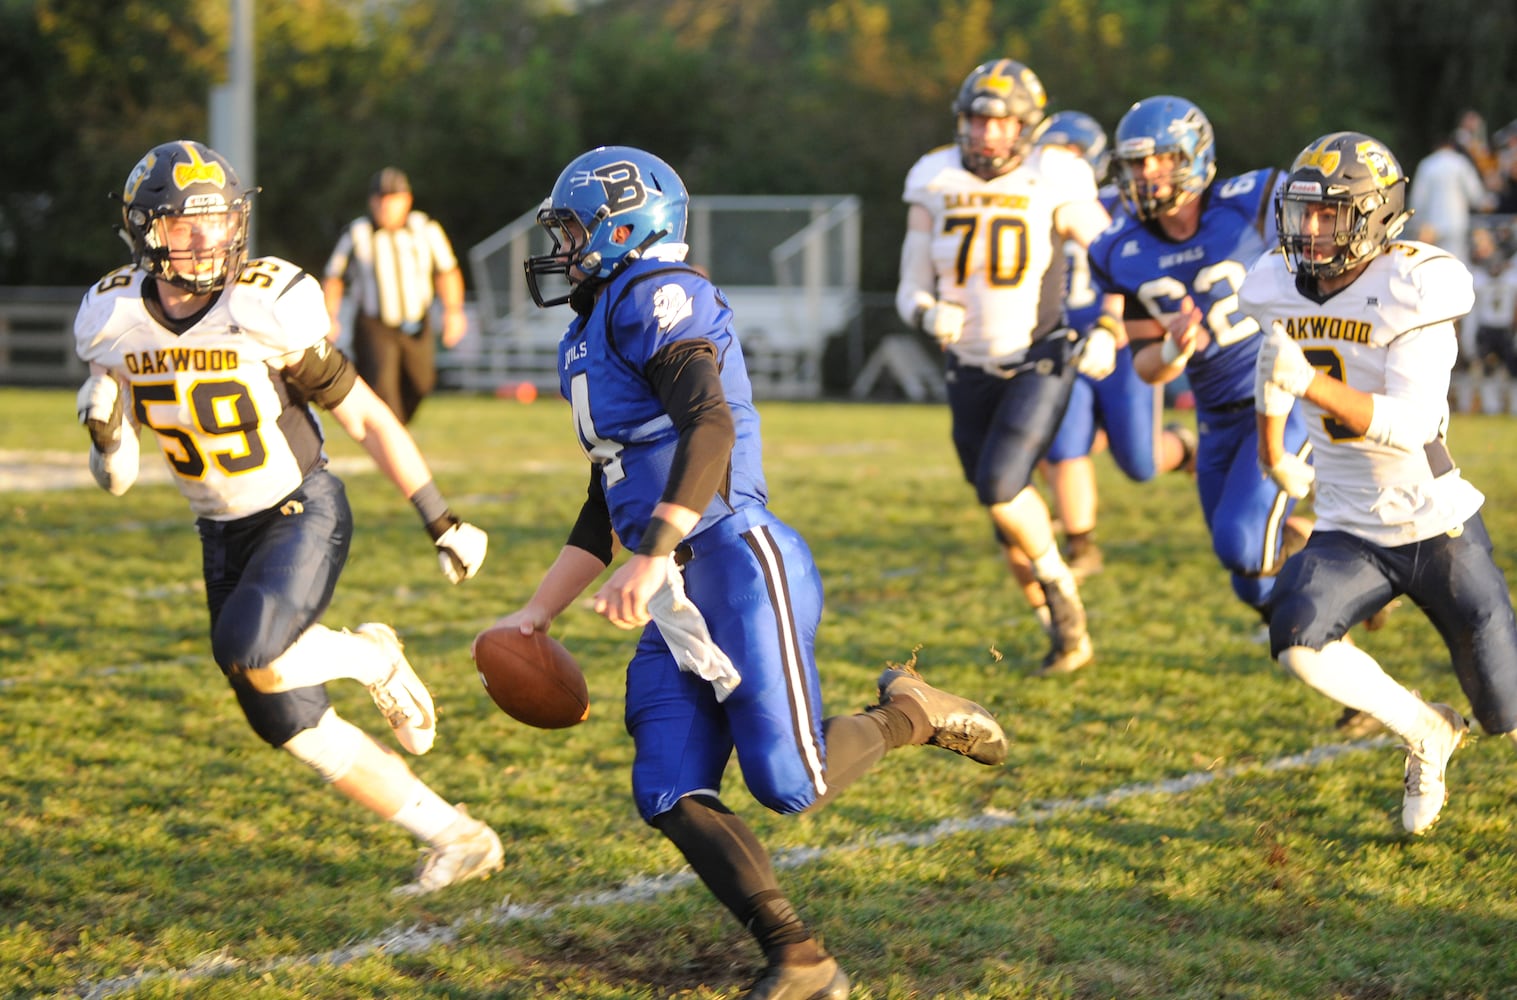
<point x="322" y="375"/>
<point x="592" y="530"/>
<point x="688" y="381"/>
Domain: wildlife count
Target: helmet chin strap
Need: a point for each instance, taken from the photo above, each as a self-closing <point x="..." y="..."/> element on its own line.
<point x="582" y="298"/>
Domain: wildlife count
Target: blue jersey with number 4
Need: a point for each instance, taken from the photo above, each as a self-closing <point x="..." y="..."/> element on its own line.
<point x="620" y="421"/>
<point x="1156" y="274"/>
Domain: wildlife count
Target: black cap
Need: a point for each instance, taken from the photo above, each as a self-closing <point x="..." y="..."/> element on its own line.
<point x="390" y="180"/>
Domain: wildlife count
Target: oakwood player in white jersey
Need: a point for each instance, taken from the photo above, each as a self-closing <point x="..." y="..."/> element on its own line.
<point x="219" y="358"/>
<point x="1362" y="332"/>
<point x="982" y="271"/>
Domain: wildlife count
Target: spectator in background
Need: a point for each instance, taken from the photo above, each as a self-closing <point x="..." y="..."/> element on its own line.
<point x="396" y="258"/>
<point x="1490" y="353"/>
<point x="1506" y="168"/>
<point x="1470" y="139"/>
<point x="1446" y="188"/>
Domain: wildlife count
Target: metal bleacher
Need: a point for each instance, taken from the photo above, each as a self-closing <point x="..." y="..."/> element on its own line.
<point x="36" y="336"/>
<point x="789" y="265"/>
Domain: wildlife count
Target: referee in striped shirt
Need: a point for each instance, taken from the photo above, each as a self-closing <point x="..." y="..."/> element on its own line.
<point x="395" y="259"/>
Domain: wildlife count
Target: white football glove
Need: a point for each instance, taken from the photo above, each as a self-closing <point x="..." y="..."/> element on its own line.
<point x="1280" y="361"/>
<point x="945" y="321"/>
<point x="1294" y="475"/>
<point x="1271" y="400"/>
<point x="461" y="551"/>
<point x="1098" y="355"/>
<point x="99" y="407"/>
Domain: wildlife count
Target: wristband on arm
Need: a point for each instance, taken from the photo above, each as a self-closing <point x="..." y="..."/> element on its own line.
<point x="660" y="538"/>
<point x="429" y="503"/>
<point x="1169" y="350"/>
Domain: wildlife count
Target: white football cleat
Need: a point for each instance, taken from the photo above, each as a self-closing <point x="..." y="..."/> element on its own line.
<point x="1427" y="762"/>
<point x="474" y="852"/>
<point x="401" y="696"/>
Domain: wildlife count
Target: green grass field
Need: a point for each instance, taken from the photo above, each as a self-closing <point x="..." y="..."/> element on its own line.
<point x="1178" y="820"/>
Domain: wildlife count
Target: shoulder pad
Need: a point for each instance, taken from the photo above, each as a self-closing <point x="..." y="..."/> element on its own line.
<point x="928" y="168"/>
<point x="1250" y="187"/>
<point x="279" y="305"/>
<point x="98" y="307"/>
<point x="1441" y="287"/>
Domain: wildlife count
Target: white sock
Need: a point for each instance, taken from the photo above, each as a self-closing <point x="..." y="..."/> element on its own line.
<point x="1351" y="677"/>
<point x="425" y="814"/>
<point x="1050" y="567"/>
<point x="320" y="655"/>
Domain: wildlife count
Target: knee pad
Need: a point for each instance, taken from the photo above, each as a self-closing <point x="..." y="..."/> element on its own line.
<point x="279" y="716"/>
<point x="329" y="748"/>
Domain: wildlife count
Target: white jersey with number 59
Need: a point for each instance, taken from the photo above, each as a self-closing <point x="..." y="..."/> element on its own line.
<point x="1389" y="333"/>
<point x="994" y="250"/>
<point x="211" y="387"/>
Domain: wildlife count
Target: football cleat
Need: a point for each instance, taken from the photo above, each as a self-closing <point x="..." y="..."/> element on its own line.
<point x="1072" y="648"/>
<point x="474" y="851"/>
<point x="822" y="981"/>
<point x="1066" y="660"/>
<point x="1084" y="560"/>
<point x="401" y="697"/>
<point x="1427" y="763"/>
<point x="958" y="724"/>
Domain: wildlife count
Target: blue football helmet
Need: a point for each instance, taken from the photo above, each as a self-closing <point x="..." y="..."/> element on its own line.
<point x="1164" y="126"/>
<point x="1079" y="132"/>
<point x="595" y="197"/>
<point x="185" y="216"/>
<point x="1350" y="189"/>
<point x="1001" y="88"/>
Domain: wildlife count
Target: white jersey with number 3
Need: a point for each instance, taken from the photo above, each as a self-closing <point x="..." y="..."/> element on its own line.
<point x="213" y="394"/>
<point x="994" y="250"/>
<point x="1388" y="333"/>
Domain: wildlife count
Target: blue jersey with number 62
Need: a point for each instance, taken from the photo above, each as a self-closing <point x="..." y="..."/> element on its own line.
<point x="621" y="423"/>
<point x="1156" y="274"/>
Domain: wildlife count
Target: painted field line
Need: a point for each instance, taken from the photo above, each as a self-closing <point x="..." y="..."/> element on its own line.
<point x="412" y="939"/>
<point x="39" y="471"/>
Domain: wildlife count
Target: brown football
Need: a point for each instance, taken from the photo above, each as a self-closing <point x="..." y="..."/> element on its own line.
<point x="532" y="678"/>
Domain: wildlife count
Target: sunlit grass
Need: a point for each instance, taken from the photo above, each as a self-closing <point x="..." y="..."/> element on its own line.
<point x="144" y="828"/>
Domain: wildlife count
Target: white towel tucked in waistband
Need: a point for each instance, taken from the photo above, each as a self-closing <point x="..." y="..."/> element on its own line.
<point x="684" y="629"/>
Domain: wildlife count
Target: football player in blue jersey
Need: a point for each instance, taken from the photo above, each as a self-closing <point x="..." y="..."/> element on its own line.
<point x="1177" y="255"/>
<point x="726" y="594"/>
<point x="1108" y="399"/>
<point x="220" y="356"/>
<point x="1362" y="332"/>
<point x="982" y="272"/>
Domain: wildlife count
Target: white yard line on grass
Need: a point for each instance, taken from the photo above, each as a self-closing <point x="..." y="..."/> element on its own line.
<point x="412" y="939"/>
<point x="35" y="471"/>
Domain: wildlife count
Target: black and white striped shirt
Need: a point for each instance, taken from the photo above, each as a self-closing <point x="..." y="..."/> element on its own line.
<point x="392" y="271"/>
